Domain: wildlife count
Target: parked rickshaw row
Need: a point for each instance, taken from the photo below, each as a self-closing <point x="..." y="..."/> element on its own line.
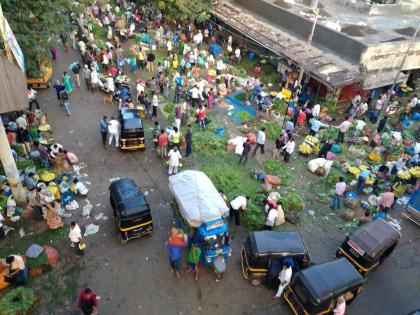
<point x="201" y="213"/>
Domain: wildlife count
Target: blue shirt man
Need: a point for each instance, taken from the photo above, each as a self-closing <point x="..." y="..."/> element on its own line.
<point x="103" y="128"/>
<point x="316" y="125"/>
<point x="362" y="179"/>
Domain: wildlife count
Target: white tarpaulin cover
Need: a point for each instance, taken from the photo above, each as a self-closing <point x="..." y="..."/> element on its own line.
<point x="197" y="198"/>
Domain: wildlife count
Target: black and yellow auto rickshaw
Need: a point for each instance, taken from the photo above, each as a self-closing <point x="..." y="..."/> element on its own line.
<point x="132" y="131"/>
<point x="315" y="290"/>
<point x="264" y="253"/>
<point x="131" y="209"/>
<point x="369" y="245"/>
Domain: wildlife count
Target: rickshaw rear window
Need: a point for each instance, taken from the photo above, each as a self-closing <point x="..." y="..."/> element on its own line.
<point x="215" y="242"/>
<point x="300" y="293"/>
<point x="135" y="220"/>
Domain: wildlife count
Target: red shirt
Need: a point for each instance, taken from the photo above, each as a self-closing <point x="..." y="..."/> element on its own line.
<point x="163" y="139"/>
<point x="301" y="118"/>
<point x="201" y="114"/>
<point x="82" y="296"/>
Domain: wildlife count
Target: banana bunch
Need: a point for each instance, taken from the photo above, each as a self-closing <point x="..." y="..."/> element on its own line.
<point x="316" y="149"/>
<point x="312" y="139"/>
<point x="47" y="176"/>
<point x="370" y="180"/>
<point x="363" y="167"/>
<point x="415" y="171"/>
<point x="354" y="170"/>
<point x="404" y="175"/>
<point x="374" y="157"/>
<point x="305" y="148"/>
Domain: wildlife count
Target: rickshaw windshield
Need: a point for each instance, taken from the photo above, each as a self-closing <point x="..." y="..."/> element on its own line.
<point x="215" y="242"/>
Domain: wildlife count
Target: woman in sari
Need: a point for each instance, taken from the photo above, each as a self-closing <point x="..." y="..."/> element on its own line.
<point x="67" y="82"/>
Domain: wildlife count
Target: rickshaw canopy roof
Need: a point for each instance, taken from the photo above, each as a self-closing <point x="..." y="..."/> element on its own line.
<point x="375" y="236"/>
<point x="198" y="200"/>
<point x="271" y="243"/>
<point x="128" y="197"/>
<point x="329" y="279"/>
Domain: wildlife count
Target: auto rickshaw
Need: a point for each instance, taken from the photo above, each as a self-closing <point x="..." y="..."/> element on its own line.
<point x="369" y="245"/>
<point x="314" y="290"/>
<point x="132" y="131"/>
<point x="265" y="252"/>
<point x="200" y="212"/>
<point x="131" y="209"/>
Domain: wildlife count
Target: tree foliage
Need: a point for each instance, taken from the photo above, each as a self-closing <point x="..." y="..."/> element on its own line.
<point x="184" y="9"/>
<point x="35" y="25"/>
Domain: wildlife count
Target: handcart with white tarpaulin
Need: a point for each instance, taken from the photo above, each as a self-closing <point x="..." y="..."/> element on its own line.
<point x="200" y="212"/>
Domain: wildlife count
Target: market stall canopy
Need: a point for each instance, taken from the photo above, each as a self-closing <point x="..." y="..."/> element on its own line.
<point x="197" y="198"/>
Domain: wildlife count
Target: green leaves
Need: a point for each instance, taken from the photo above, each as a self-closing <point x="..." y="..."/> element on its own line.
<point x="34" y="24"/>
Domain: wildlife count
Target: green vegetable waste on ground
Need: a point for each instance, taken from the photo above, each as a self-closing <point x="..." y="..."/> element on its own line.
<point x="292" y="202"/>
<point x="277" y="168"/>
<point x="244" y="116"/>
<point x="273" y="130"/>
<point x="41" y="262"/>
<point x="235" y="180"/>
<point x="18" y="301"/>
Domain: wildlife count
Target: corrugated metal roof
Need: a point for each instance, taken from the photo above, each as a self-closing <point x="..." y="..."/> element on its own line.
<point x="335" y="76"/>
<point x="12" y="87"/>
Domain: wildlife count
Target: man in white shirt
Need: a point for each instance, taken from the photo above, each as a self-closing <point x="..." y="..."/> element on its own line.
<point x="21" y="122"/>
<point x="114" y="131"/>
<point x="238" y="55"/>
<point x="260" y="141"/>
<point x="414" y="101"/>
<point x="289" y="147"/>
<point x="32" y="98"/>
<point x="155" y="105"/>
<point x="220" y="66"/>
<point x="75" y="234"/>
<point x="195" y="95"/>
<point x="80" y="188"/>
<point x="343" y="127"/>
<point x="174" y="157"/>
<point x="285" y="276"/>
<point x="271" y="218"/>
<point x="356" y="99"/>
<point x="17" y="273"/>
<point x="316" y="110"/>
<point x="360" y="124"/>
<point x="236" y="205"/>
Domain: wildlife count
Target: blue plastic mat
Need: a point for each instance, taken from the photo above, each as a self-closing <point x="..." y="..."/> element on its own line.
<point x="238" y="107"/>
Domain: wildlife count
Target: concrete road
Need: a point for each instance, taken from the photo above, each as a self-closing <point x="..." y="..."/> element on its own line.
<point x="135" y="278"/>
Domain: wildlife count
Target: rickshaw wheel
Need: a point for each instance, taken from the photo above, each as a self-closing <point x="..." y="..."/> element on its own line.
<point x="255" y="281"/>
<point x="123" y="240"/>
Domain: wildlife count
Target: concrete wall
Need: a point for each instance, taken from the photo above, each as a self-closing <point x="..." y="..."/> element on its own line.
<point x="341" y="44"/>
<point x="390" y="55"/>
<point x="395" y="9"/>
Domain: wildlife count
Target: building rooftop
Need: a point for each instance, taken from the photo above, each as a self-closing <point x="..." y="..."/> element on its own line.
<point x="325" y="67"/>
<point x="361" y="26"/>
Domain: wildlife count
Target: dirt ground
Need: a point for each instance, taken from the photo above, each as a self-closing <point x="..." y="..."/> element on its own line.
<point x="135" y="278"/>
